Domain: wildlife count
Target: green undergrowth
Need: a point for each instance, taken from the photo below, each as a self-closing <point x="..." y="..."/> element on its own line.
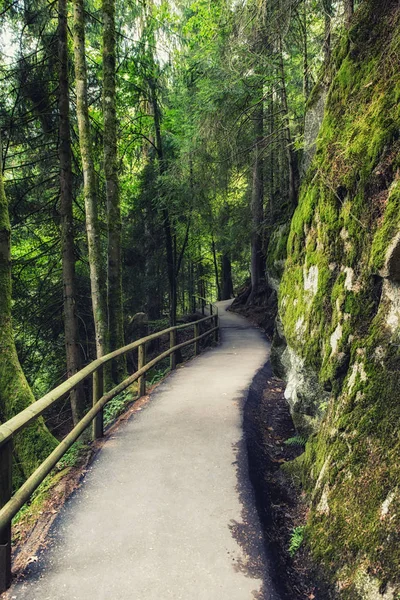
<point x="117" y="406"/>
<point x="339" y="313"/>
<point x="157" y="374"/>
<point x="31" y="511"/>
<point x="73" y="455"/>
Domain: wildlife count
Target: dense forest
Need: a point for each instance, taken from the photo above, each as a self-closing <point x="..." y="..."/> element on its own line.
<point x="160" y="154"/>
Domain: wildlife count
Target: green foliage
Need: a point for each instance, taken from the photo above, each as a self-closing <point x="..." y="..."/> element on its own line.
<point x="296" y="539"/>
<point x="158" y="375"/>
<point x="297" y="440"/>
<point x="72" y="457"/>
<point x="31" y="510"/>
<point x="115" y="407"/>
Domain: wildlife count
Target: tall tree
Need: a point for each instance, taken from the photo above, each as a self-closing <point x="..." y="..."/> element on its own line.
<point x="257" y="201"/>
<point x="114" y="279"/>
<point x="73" y="351"/>
<point x="169" y="240"/>
<point x="292" y="166"/>
<point x="33" y="445"/>
<point x="97" y="278"/>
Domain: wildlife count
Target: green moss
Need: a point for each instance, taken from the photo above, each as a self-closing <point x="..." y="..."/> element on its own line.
<point x="389" y="227"/>
<point x="355" y="455"/>
<point x="276" y="254"/>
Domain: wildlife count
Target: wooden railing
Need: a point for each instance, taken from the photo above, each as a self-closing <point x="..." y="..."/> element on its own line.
<point x="11" y="504"/>
<point x="203" y="303"/>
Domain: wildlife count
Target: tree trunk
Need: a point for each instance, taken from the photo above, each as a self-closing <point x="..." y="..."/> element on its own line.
<point x="216" y="269"/>
<point x="97" y="278"/>
<point x="227" y="285"/>
<point x="169" y="245"/>
<point x="114" y="279"/>
<point x="327" y="4"/>
<point x="257" y="205"/>
<point x="306" y="78"/>
<point x="290" y="154"/>
<point x="192" y="299"/>
<point x="33" y="444"/>
<point x="270" y="208"/>
<point x="348" y="11"/>
<point x="72" y="347"/>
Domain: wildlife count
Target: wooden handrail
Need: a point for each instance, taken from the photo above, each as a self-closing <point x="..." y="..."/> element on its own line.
<point x="35" y="410"/>
<point x="9" y="506"/>
<point x="212" y="306"/>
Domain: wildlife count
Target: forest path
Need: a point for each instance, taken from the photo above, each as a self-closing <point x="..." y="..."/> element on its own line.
<point x="166" y="510"/>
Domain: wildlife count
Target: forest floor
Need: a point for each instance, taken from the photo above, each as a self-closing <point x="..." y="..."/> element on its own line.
<point x="268" y="426"/>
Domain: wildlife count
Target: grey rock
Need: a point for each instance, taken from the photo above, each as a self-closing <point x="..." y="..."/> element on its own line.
<point x="313" y="121"/>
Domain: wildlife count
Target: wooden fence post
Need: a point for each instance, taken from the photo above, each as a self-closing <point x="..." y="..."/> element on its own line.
<point x="216" y="332"/>
<point x="172" y="343"/>
<point x="141" y="364"/>
<point x="5" y="534"/>
<point x="196" y="335"/>
<point x="98" y="427"/>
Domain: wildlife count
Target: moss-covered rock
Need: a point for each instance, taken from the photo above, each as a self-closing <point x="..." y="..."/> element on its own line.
<point x="339" y="305"/>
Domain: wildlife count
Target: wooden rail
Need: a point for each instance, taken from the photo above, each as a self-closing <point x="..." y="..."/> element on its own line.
<point x="204" y="303"/>
<point x="10" y="505"/>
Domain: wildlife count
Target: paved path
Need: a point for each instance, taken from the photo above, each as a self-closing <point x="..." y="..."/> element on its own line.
<point x="166" y="512"/>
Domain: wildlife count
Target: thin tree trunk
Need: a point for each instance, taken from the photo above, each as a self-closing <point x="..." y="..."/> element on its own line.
<point x="271" y="196"/>
<point x="327" y="4"/>
<point x="303" y="25"/>
<point x="97" y="278"/>
<point x="72" y="347"/>
<point x="114" y="279"/>
<point x="192" y="299"/>
<point x="34" y="443"/>
<point x="291" y="157"/>
<point x="348" y="11"/>
<point x="169" y="245"/>
<point x="227" y="286"/>
<point x="257" y="204"/>
<point x="216" y="269"/>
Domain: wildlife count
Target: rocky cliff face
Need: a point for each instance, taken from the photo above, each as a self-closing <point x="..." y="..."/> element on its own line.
<point x="337" y="342"/>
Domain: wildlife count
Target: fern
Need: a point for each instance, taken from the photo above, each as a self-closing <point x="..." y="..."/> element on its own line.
<point x="297" y="440"/>
<point x="296" y="539"/>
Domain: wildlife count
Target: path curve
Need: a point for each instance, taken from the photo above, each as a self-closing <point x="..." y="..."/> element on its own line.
<point x="166" y="511"/>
